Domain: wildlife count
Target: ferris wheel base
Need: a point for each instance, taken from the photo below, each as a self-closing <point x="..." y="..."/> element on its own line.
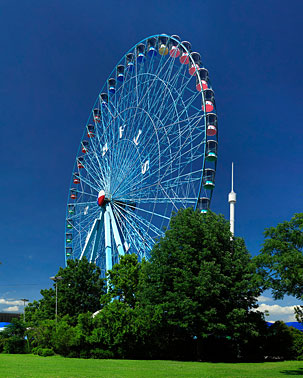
<point x="93" y="238"/>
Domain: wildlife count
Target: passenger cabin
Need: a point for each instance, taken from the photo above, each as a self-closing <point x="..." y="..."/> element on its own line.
<point x="104" y="99"/>
<point x="194" y="63"/>
<point x="68" y="251"/>
<point x="163" y="49"/>
<point x="80" y="161"/>
<point x="69" y="237"/>
<point x="209" y="98"/>
<point x="73" y="193"/>
<point x="120" y="73"/>
<point x="71" y="208"/>
<point x="140" y="49"/>
<point x="130" y="61"/>
<point x="152" y="47"/>
<point x="203" y="204"/>
<point x="211" y="124"/>
<point x="185" y="51"/>
<point x="76" y="178"/>
<point x="173" y="46"/>
<point x="112" y="86"/>
<point x="211" y="150"/>
<point x="209" y="178"/>
<point x="201" y="79"/>
<point x="97" y="115"/>
<point x="69" y="223"/>
<point x="84" y="146"/>
<point x="90" y="131"/>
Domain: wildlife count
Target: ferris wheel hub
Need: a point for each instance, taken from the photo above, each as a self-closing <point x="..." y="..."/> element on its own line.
<point x="101" y="198"/>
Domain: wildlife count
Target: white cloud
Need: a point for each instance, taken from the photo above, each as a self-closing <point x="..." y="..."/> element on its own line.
<point x="11" y="309"/>
<point x="276" y="312"/>
<point x="10" y="302"/>
<point x="261" y="298"/>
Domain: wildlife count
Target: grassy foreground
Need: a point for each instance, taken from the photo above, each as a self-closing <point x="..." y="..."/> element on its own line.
<point x="30" y="366"/>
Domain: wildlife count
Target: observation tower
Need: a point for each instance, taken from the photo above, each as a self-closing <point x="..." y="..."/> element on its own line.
<point x="232" y="199"/>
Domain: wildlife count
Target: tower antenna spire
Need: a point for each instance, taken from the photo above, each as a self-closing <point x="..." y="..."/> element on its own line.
<point x="232" y="199"/>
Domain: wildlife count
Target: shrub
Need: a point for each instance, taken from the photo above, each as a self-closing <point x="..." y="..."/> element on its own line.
<point x="35" y="350"/>
<point x="45" y="352"/>
<point x="98" y="353"/>
<point x="13" y="345"/>
<point x="283" y="342"/>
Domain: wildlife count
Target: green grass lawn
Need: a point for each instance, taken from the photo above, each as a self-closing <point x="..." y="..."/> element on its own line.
<point x="27" y="366"/>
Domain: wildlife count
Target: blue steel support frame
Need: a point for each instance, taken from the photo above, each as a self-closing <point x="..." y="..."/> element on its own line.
<point x="117" y="238"/>
<point x="108" y="242"/>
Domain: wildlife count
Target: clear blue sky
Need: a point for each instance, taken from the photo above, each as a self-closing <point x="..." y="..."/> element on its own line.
<point x="55" y="57"/>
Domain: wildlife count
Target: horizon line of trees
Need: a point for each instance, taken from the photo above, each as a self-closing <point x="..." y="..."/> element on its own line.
<point x="195" y="299"/>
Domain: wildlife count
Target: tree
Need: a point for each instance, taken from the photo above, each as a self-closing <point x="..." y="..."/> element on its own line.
<point x="280" y="262"/>
<point x="123" y="280"/>
<point x="12" y="338"/>
<point x="41" y="335"/>
<point x="284" y="342"/>
<point x="204" y="283"/>
<point x="79" y="291"/>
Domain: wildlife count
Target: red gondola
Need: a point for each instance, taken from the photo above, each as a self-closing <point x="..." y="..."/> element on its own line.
<point x="73" y="193"/>
<point x="174" y="50"/>
<point x="90" y="131"/>
<point x="202" y="74"/>
<point x="194" y="63"/>
<point x="76" y="178"/>
<point x="184" y="58"/>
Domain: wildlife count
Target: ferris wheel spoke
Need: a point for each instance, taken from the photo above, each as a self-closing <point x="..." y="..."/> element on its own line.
<point x="150" y="92"/>
<point x="155" y="172"/>
<point x="132" y="235"/>
<point x="167" y="92"/>
<point x="144" y="223"/>
<point x="92" y="168"/>
<point x="134" y="221"/>
<point x="164" y="72"/>
<point x="137" y="82"/>
<point x="171" y="183"/>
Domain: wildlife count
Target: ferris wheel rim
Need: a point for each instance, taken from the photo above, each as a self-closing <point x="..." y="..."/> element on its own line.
<point x="193" y="201"/>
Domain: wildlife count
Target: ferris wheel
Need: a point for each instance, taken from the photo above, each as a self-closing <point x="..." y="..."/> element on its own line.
<point x="149" y="148"/>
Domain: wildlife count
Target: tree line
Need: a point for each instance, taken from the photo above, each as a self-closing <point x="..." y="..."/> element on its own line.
<point x="195" y="299"/>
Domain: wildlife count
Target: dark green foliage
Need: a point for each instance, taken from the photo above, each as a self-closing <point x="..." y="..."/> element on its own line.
<point x="280" y="262"/>
<point x="12" y="338"/>
<point x="283" y="342"/>
<point x="204" y="283"/>
<point x="195" y="299"/>
<point x="41" y="334"/>
<point x="123" y="280"/>
<point x="64" y="339"/>
<point x="101" y="353"/>
<point x="123" y="330"/>
<point x="79" y="291"/>
<point x="44" y="352"/>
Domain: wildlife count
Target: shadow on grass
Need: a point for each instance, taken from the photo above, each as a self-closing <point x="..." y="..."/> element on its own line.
<point x="293" y="372"/>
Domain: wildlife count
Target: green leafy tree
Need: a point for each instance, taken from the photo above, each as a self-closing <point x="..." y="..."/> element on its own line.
<point x="41" y="335"/>
<point x="79" y="291"/>
<point x="284" y="342"/>
<point x="299" y="313"/>
<point x="280" y="261"/>
<point x="43" y="309"/>
<point x="12" y="338"/>
<point x="204" y="283"/>
<point x="123" y="280"/>
<point x="65" y="339"/>
<point x="122" y="330"/>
